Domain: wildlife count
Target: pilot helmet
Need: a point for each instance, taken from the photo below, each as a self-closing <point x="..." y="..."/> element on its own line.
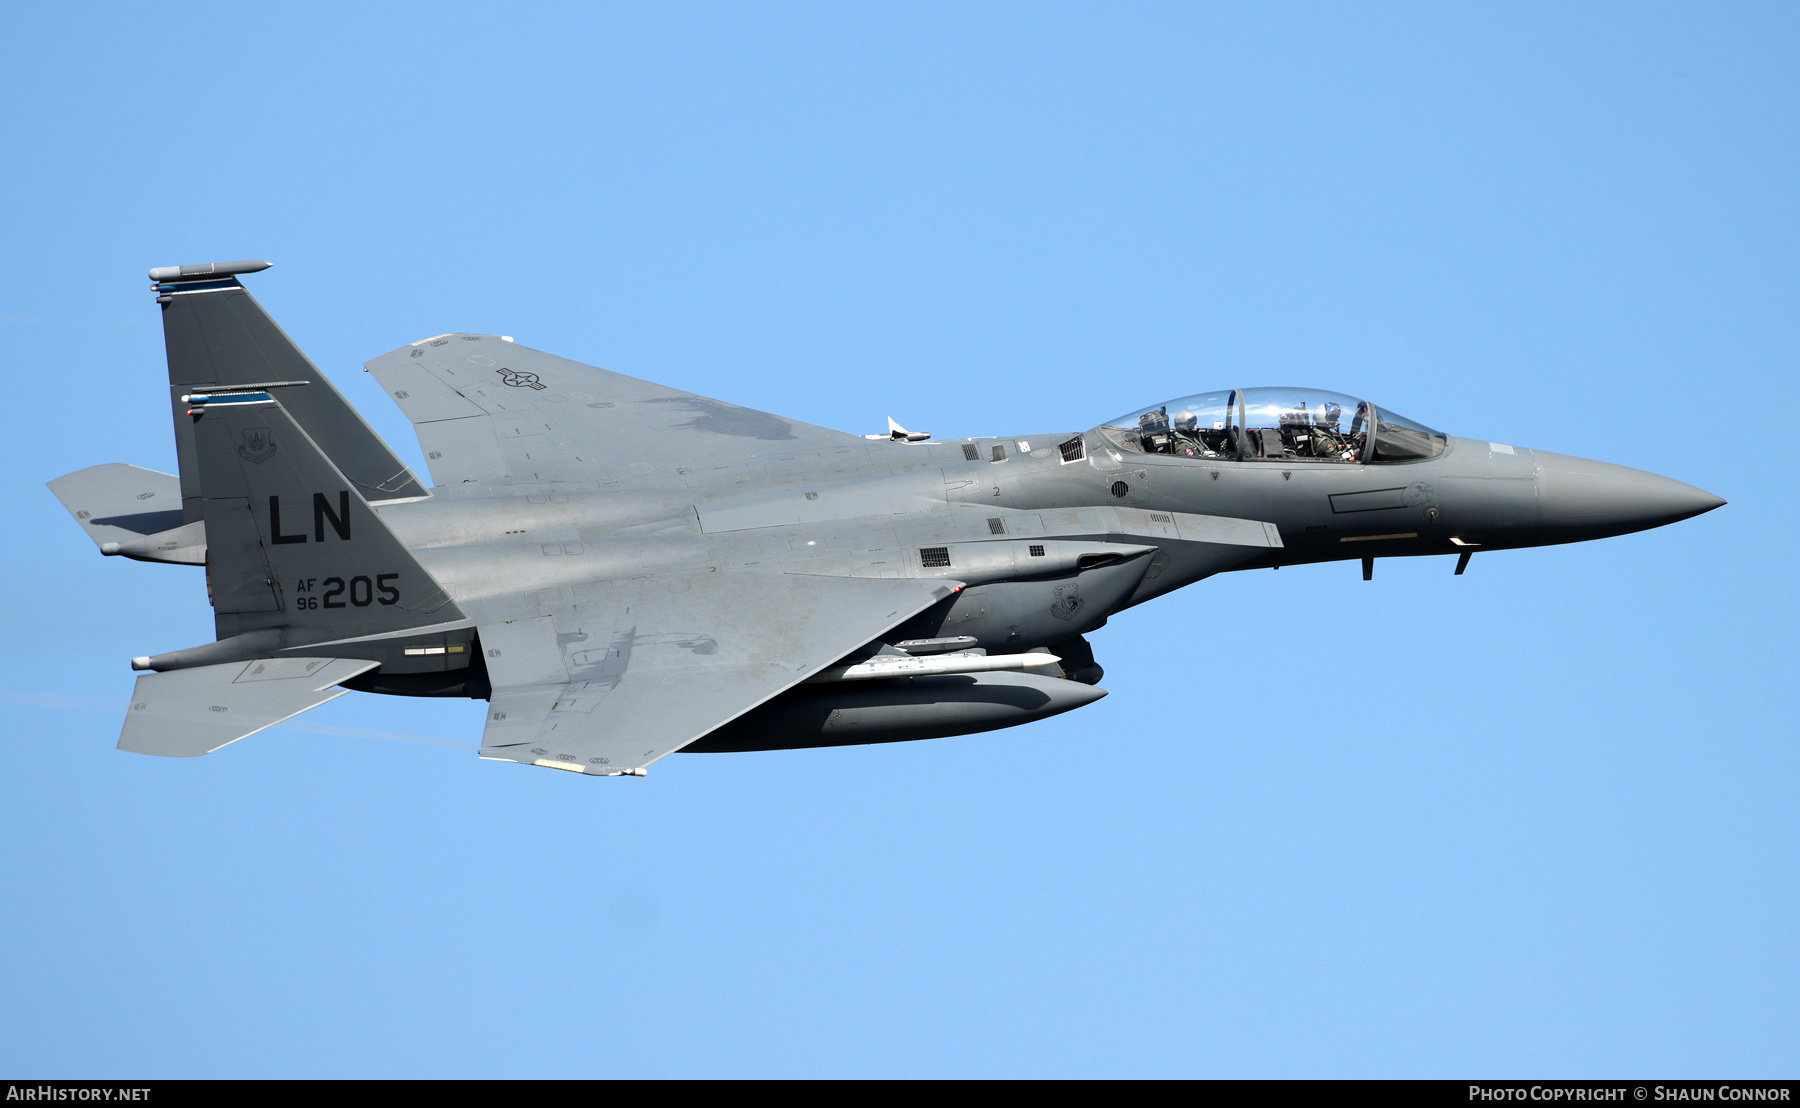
<point x="1327" y="415"/>
<point x="1186" y="421"/>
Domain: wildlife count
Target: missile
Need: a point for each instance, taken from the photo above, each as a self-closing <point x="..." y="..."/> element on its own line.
<point x="893" y="665"/>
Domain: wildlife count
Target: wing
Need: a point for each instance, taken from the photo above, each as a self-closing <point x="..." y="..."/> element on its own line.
<point x="488" y="410"/>
<point x="608" y="685"/>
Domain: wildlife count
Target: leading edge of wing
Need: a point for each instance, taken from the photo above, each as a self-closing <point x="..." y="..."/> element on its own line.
<point x="609" y="687"/>
<point x="489" y="410"/>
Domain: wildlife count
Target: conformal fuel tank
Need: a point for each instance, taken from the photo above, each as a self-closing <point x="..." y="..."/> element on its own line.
<point x="897" y="710"/>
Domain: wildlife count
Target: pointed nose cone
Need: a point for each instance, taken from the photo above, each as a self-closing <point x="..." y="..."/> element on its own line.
<point x="1583" y="499"/>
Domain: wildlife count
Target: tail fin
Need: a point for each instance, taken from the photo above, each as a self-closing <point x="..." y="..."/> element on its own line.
<point x="217" y="335"/>
<point x="290" y="542"/>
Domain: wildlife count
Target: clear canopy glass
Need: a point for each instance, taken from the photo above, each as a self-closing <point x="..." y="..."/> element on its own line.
<point x="1309" y="424"/>
<point x="1274" y="424"/>
<point x="1398" y="439"/>
<point x="1192" y="427"/>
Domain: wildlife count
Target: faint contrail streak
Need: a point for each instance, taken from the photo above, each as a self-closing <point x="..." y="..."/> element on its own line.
<point x="117" y="707"/>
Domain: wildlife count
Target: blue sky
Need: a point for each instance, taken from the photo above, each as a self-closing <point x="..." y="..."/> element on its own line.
<point x="1542" y="823"/>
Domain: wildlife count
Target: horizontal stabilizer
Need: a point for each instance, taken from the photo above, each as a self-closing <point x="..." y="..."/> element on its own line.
<point x="188" y="712"/>
<point x="120" y="503"/>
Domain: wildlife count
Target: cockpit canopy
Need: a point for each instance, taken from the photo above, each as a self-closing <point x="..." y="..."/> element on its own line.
<point x="1274" y="424"/>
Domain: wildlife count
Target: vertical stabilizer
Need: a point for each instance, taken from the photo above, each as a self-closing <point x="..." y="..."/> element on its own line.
<point x="217" y="335"/>
<point x="290" y="542"/>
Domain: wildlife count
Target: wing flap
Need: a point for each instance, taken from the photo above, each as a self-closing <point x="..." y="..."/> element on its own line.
<point x="460" y="451"/>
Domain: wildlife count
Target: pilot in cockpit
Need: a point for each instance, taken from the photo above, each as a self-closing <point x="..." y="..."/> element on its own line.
<point x="1327" y="441"/>
<point x="1189" y="441"/>
<point x="1185" y="439"/>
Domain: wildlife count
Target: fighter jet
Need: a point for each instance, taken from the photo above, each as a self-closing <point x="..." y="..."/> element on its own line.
<point x="623" y="570"/>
